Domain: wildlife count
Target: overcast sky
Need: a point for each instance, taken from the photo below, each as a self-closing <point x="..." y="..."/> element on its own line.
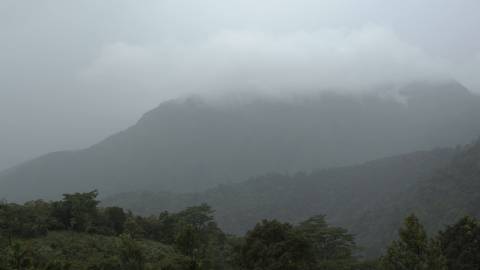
<point x="73" y="72"/>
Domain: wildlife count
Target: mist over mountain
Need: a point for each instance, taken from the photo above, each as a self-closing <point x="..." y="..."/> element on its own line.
<point x="346" y="195"/>
<point x="370" y="199"/>
<point x="191" y="145"/>
<point x="450" y="193"/>
<point x="240" y="134"/>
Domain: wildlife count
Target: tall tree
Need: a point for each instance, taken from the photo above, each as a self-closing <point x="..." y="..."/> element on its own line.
<point x="198" y="236"/>
<point x="413" y="250"/>
<point x="332" y="247"/>
<point x="77" y="211"/>
<point x="116" y="218"/>
<point x="460" y="244"/>
<point x="273" y="245"/>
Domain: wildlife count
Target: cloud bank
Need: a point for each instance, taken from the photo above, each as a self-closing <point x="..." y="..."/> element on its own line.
<point x="274" y="64"/>
<point x="73" y="72"/>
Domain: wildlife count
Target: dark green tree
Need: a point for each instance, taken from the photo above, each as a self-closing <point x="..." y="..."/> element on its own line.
<point x="76" y="211"/>
<point x="460" y="243"/>
<point x="133" y="226"/>
<point x="115" y="218"/>
<point x="21" y="221"/>
<point x="413" y="250"/>
<point x="18" y="256"/>
<point x="132" y="255"/>
<point x="198" y="237"/>
<point x="273" y="245"/>
<point x="332" y="247"/>
<point x="167" y="227"/>
<point x="189" y="244"/>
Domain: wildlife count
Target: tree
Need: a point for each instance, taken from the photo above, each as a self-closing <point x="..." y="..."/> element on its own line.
<point x="21" y="221"/>
<point x="131" y="253"/>
<point x="115" y="217"/>
<point x="460" y="243"/>
<point x="198" y="236"/>
<point x="167" y="227"/>
<point x="76" y="211"/>
<point x="332" y="247"/>
<point x="189" y="244"/>
<point x="18" y="256"/>
<point x="200" y="217"/>
<point x="413" y="250"/>
<point x="273" y="245"/>
<point x="132" y="227"/>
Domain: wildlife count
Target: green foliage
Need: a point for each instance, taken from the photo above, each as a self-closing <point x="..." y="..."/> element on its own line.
<point x="460" y="243"/>
<point x="18" y="256"/>
<point x="313" y="244"/>
<point x="75" y="234"/>
<point x="29" y="238"/>
<point x="115" y="219"/>
<point x="332" y="247"/>
<point x="359" y="197"/>
<point x="329" y="243"/>
<point x="20" y="221"/>
<point x="77" y="211"/>
<point x="199" y="238"/>
<point x="132" y="255"/>
<point x="133" y="228"/>
<point x="275" y="245"/>
<point x="413" y="250"/>
<point x="167" y="227"/>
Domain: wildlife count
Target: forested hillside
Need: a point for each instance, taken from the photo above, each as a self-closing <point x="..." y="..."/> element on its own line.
<point x="371" y="199"/>
<point x="75" y="234"/>
<point x="452" y="192"/>
<point x="192" y="145"/>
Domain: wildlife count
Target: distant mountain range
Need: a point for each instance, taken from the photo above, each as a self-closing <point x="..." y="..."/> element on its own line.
<point x="192" y="145"/>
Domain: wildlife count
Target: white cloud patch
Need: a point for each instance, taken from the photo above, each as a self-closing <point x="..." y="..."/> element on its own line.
<point x="259" y="62"/>
<point x="468" y="72"/>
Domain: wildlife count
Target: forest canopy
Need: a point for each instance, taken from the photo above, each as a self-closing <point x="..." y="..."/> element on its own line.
<point x="75" y="233"/>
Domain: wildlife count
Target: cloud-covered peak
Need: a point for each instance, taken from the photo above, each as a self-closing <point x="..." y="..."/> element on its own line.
<point x="274" y="64"/>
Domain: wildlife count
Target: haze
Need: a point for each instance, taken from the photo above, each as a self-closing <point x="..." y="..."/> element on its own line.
<point x="73" y="72"/>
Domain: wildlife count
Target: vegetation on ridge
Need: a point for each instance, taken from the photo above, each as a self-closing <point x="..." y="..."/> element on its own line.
<point x="74" y="233"/>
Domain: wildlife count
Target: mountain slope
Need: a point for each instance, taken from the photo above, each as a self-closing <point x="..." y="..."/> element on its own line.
<point x="451" y="193"/>
<point x="344" y="194"/>
<point x="370" y="199"/>
<point x="192" y="145"/>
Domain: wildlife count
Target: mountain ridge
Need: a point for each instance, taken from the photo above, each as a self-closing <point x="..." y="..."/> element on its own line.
<point x="185" y="146"/>
<point x="370" y="199"/>
<point x="346" y="195"/>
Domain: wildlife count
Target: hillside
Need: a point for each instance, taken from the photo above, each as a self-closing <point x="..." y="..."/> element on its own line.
<point x="370" y="199"/>
<point x="192" y="145"/>
<point x="345" y="195"/>
<point x="75" y="234"/>
<point x="451" y="193"/>
<point x="82" y="250"/>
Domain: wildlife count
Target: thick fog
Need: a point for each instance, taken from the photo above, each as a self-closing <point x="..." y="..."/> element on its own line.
<point x="73" y="72"/>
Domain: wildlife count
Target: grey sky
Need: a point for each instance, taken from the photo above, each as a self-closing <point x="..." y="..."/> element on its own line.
<point x="73" y="72"/>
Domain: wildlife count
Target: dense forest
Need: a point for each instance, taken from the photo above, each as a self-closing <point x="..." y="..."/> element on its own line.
<point x="370" y="199"/>
<point x="74" y="233"/>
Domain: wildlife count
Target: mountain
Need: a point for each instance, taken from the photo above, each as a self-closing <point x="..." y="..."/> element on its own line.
<point x="344" y="194"/>
<point x="451" y="193"/>
<point x="192" y="145"/>
<point x="370" y="199"/>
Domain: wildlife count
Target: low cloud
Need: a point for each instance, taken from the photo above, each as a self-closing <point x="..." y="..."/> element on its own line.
<point x="273" y="64"/>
